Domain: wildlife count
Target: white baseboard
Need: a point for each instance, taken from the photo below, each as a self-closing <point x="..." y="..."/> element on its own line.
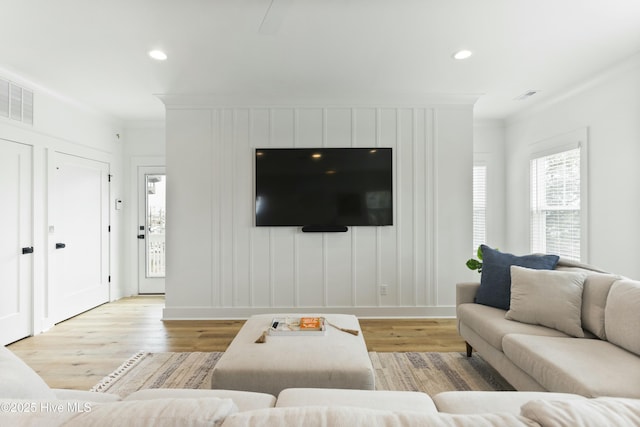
<point x="220" y="313"/>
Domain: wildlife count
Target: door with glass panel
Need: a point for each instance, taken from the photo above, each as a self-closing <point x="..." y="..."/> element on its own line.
<point x="151" y="229"/>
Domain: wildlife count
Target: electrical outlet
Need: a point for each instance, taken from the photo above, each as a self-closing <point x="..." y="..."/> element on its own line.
<point x="383" y="290"/>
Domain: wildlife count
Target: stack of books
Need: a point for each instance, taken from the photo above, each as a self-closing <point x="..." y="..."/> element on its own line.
<point x="297" y="326"/>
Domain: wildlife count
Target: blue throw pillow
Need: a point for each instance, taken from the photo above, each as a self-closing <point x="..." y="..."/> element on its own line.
<point x="495" y="281"/>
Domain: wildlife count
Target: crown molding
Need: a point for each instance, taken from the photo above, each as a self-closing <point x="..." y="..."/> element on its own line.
<point x="198" y="101"/>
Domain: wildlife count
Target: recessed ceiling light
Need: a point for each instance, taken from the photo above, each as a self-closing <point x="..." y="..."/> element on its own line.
<point x="158" y="55"/>
<point x="462" y="54"/>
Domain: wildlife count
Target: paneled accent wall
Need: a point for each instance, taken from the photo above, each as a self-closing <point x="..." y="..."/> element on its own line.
<point x="220" y="265"/>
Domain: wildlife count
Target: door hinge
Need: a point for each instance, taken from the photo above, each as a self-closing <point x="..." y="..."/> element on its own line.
<point x="109" y="177"/>
<point x="109" y="279"/>
<point x="109" y="229"/>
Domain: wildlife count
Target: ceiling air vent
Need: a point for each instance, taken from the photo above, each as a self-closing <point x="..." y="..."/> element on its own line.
<point x="528" y="94"/>
<point x="16" y="102"/>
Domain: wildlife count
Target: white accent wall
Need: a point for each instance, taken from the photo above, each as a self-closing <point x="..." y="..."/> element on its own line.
<point x="219" y="265"/>
<point x="608" y="108"/>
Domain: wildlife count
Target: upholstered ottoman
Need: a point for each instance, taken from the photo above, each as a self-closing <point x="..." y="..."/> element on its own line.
<point x="334" y="360"/>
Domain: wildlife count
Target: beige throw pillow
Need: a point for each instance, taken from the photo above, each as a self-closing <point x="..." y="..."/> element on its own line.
<point x="594" y="300"/>
<point x="602" y="411"/>
<point x="549" y="298"/>
<point x="622" y="315"/>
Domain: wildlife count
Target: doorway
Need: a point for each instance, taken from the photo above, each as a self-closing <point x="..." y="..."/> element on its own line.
<point x="152" y="184"/>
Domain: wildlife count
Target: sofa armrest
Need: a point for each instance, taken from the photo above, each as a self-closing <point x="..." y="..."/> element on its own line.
<point x="466" y="292"/>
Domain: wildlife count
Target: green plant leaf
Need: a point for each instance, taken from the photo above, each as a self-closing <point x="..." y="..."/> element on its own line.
<point x="480" y="252"/>
<point x="474" y="264"/>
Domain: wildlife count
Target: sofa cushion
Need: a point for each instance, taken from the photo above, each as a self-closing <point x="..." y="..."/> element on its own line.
<point x="589" y="367"/>
<point x="573" y="265"/>
<point x="39" y="413"/>
<point x="594" y="300"/>
<point x="244" y="400"/>
<point x="19" y="381"/>
<point x="549" y="298"/>
<point x="491" y="325"/>
<point x="495" y="281"/>
<point x="318" y="416"/>
<point x="373" y="399"/>
<point x="156" y="413"/>
<point x="482" y="402"/>
<point x="622" y="315"/>
<point x="603" y="411"/>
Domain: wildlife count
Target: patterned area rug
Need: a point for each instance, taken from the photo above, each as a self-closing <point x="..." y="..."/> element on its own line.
<point x="431" y="373"/>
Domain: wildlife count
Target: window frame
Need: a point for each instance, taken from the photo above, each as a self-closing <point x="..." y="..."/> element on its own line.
<point x="556" y="145"/>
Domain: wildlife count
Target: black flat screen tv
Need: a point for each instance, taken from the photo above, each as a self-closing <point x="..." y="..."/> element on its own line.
<point x="324" y="187"/>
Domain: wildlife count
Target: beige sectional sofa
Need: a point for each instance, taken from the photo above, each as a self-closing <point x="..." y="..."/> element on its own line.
<point x="574" y="329"/>
<point x="26" y="400"/>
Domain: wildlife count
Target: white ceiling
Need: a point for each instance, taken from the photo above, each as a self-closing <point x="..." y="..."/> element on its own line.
<point x="95" y="52"/>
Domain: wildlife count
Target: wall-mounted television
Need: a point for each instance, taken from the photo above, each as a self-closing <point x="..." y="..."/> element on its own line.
<point x="323" y="187"/>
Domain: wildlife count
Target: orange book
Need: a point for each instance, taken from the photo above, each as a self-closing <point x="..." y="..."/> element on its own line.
<point x="311" y="323"/>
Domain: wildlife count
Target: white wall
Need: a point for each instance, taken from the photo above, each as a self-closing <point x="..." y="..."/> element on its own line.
<point x="64" y="126"/>
<point x="220" y="265"/>
<point x="609" y="108"/>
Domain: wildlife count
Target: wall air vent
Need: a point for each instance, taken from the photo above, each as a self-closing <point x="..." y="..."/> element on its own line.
<point x="27" y="107"/>
<point x="16" y="102"/>
<point x="4" y="98"/>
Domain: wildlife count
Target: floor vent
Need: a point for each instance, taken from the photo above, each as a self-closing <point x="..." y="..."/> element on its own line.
<point x="16" y="102"/>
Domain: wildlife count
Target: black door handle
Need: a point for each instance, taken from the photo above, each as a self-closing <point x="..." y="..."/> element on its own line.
<point x="141" y="236"/>
<point x="28" y="250"/>
<point x="60" y="245"/>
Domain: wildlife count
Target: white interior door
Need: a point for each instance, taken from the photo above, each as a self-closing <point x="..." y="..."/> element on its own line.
<point x="152" y="182"/>
<point x="16" y="274"/>
<point x="78" y="235"/>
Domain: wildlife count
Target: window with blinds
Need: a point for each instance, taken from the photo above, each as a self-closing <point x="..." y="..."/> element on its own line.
<point x="479" y="206"/>
<point x="555" y="204"/>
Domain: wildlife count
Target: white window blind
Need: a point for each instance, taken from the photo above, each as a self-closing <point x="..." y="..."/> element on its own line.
<point x="479" y="206"/>
<point x="555" y="204"/>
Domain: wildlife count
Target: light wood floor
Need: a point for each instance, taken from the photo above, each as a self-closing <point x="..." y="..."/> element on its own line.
<point x="79" y="352"/>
